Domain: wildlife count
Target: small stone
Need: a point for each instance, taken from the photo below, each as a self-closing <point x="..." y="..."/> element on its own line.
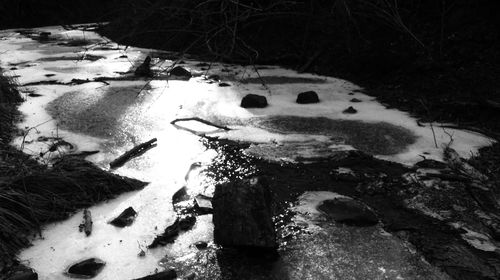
<point x="187" y="222"/>
<point x="142" y="253"/>
<point x="200" y="245"/>
<point x="254" y="101"/>
<point x="126" y="218"/>
<point x="180" y="195"/>
<point x="88" y="268"/>
<point x="350" y="110"/>
<point x="144" y="70"/>
<point x="307" y="97"/>
<point x="180" y="72"/>
<point x="203" y="205"/>
<point x="355" y="100"/>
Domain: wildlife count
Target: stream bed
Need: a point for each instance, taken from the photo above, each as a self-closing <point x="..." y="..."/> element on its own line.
<point x="81" y="88"/>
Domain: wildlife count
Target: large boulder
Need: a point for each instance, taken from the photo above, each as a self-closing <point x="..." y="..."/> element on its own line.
<point x="307" y="97"/>
<point x="242" y="215"/>
<point x="254" y="101"/>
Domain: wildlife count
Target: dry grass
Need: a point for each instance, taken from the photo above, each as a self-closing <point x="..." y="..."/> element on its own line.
<point x="32" y="194"/>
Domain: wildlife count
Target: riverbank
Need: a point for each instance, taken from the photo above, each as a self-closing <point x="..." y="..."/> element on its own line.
<point x="300" y="148"/>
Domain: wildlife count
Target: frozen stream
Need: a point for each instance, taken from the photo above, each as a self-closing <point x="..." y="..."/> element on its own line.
<point x="115" y="115"/>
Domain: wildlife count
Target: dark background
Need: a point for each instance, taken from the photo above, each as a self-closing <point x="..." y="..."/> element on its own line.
<point x="438" y="59"/>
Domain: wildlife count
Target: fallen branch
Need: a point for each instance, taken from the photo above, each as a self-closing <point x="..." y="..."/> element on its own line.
<point x="134" y="152"/>
<point x="202" y="121"/>
<point x="86" y="226"/>
<point x="457" y="164"/>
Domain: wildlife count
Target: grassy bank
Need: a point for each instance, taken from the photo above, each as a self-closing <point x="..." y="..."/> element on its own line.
<point x="32" y="194"/>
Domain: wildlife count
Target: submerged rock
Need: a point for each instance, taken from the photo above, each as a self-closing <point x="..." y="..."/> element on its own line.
<point x="126" y="218"/>
<point x="200" y="245"/>
<point x="242" y="215"/>
<point x="164" y="275"/>
<point x="348" y="211"/>
<point x="182" y="223"/>
<point x="254" y="101"/>
<point x="187" y="222"/>
<point x="307" y="97"/>
<point x="144" y="70"/>
<point x="180" y="72"/>
<point x="350" y="110"/>
<point x="88" y="268"/>
<point x="21" y="272"/>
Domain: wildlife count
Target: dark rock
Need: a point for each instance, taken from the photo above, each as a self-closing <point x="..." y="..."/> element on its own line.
<point x="50" y="75"/>
<point x="144" y="70"/>
<point x="350" y="110"/>
<point x="180" y="195"/>
<point x="164" y="275"/>
<point x="126" y="218"/>
<point x="86" y="269"/>
<point x="203" y="205"/>
<point x="224" y="84"/>
<point x="355" y="100"/>
<point x="348" y="211"/>
<point x="200" y="245"/>
<point x="180" y="72"/>
<point x="13" y="68"/>
<point x="307" y="97"/>
<point x="254" y="101"/>
<point x="32" y="94"/>
<point x="242" y="215"/>
<point x="187" y="222"/>
<point x="21" y="272"/>
<point x="171" y="232"/>
<point x="168" y="236"/>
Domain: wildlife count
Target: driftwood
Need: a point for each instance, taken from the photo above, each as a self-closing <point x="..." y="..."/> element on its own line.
<point x="134" y="152"/>
<point x="456" y="163"/>
<point x="202" y="121"/>
<point x="87" y="222"/>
